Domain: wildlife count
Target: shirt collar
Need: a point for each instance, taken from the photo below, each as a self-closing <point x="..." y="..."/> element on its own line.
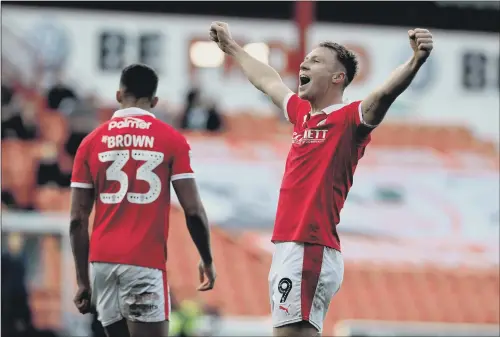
<point x="332" y="108"/>
<point x="131" y="112"/>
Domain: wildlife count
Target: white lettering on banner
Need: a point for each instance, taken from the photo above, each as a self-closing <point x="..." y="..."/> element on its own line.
<point x="127" y="140"/>
<point x="479" y="72"/>
<point x="116" y="47"/>
<point x="458" y="88"/>
<point x="129" y="122"/>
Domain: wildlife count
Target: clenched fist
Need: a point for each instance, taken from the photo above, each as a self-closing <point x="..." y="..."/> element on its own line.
<point x="421" y="43"/>
<point x="207" y="276"/>
<point x="219" y="33"/>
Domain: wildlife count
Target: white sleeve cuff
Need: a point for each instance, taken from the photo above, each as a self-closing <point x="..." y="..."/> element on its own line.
<point x="361" y="120"/>
<point x="81" y="185"/>
<point x="182" y="176"/>
<point x="285" y="104"/>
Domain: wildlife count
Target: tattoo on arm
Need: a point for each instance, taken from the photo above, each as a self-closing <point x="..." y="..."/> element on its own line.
<point x="369" y="108"/>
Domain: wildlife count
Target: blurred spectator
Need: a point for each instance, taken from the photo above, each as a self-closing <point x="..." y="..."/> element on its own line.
<point x="200" y="114"/>
<point x="61" y="97"/>
<point x="54" y="168"/>
<point x="56" y="163"/>
<point x="82" y="121"/>
<point x="12" y="202"/>
<point x="16" y="313"/>
<point x="15" y="124"/>
<point x="184" y="321"/>
<point x="17" y="176"/>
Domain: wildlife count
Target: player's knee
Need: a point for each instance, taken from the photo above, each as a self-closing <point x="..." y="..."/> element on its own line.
<point x="299" y="329"/>
<point x="152" y="329"/>
<point x="117" y="329"/>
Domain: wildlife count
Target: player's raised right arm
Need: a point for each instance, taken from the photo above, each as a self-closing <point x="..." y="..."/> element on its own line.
<point x="261" y="75"/>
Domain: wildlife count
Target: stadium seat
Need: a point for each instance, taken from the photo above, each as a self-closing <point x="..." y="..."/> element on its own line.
<point x="47" y="198"/>
<point x="46" y="308"/>
<point x="403" y="293"/>
<point x="18" y="169"/>
<point x="53" y="127"/>
<point x="385" y="292"/>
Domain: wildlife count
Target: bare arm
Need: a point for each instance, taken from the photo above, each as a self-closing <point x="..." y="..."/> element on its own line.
<point x="196" y="218"/>
<point x="261" y="75"/>
<point x="82" y="200"/>
<point x="375" y="106"/>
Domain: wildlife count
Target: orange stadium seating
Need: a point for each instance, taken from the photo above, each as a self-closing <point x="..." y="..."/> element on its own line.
<point x="402" y="293"/>
<point x="390" y="293"/>
<point x="367" y="292"/>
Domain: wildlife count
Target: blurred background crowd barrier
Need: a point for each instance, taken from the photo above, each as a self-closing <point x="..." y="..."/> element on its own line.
<point x="420" y="230"/>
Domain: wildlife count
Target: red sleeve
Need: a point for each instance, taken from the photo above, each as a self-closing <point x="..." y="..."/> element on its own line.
<point x="291" y="107"/>
<point x="355" y="116"/>
<point x="181" y="168"/>
<point x="81" y="176"/>
<point x="358" y="115"/>
<point x="354" y="111"/>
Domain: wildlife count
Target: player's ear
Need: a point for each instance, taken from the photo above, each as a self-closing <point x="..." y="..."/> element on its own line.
<point x="119" y="96"/>
<point x="154" y="101"/>
<point x="338" y="78"/>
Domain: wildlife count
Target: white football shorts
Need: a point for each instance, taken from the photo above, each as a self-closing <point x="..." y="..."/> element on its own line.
<point x="135" y="293"/>
<point x="302" y="281"/>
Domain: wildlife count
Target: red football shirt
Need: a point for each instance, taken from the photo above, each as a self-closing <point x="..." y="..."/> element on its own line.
<point x="319" y="171"/>
<point x="130" y="161"/>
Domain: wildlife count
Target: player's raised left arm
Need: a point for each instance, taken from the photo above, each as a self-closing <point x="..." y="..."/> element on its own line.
<point x="375" y="106"/>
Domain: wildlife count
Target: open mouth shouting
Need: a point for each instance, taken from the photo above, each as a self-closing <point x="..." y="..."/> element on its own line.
<point x="304" y="80"/>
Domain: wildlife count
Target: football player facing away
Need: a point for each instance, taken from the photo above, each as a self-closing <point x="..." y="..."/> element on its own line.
<point x="125" y="168"/>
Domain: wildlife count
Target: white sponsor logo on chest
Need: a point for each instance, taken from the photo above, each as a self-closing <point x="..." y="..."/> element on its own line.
<point x="309" y="136"/>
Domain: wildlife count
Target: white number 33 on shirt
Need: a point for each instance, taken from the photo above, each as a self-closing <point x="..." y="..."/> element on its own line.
<point x="144" y="172"/>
